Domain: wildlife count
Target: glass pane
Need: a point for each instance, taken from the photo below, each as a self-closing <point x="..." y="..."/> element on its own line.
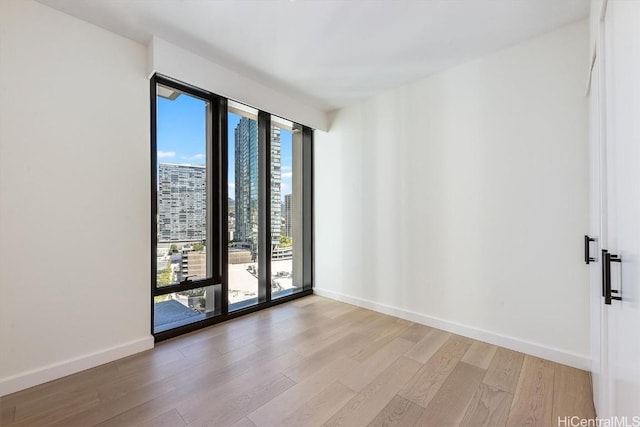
<point x="286" y="208"/>
<point x="243" y="184"/>
<point x="181" y="308"/>
<point x="183" y="196"/>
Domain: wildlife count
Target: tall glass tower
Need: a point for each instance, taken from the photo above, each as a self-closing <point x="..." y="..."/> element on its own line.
<point x="247" y="179"/>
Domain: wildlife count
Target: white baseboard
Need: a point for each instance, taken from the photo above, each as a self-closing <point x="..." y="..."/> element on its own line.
<point x="71" y="366"/>
<point x="579" y="361"/>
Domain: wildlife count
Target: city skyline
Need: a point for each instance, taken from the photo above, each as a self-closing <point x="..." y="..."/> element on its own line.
<point x="181" y="139"/>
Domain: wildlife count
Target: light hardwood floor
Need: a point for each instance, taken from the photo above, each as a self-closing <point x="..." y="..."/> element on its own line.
<point x="312" y="362"/>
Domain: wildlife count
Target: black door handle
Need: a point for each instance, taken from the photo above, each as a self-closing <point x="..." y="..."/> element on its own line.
<point x="587" y="256"/>
<point x="607" y="259"/>
<point x="604" y="271"/>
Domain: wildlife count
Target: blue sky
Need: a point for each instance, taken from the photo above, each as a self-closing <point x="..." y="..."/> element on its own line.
<point x="181" y="137"/>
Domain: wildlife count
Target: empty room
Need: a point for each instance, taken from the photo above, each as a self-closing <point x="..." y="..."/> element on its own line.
<point x="320" y="212"/>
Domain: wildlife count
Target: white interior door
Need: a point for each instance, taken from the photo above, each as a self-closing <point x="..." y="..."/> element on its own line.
<point x="596" y="224"/>
<point x="620" y="321"/>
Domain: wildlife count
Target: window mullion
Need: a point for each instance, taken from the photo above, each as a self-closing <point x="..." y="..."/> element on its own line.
<point x="221" y="225"/>
<point x="264" y="221"/>
<point x="307" y="207"/>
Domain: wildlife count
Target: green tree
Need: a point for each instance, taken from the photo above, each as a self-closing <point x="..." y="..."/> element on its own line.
<point x="164" y="277"/>
<point x="285" y="241"/>
<point x="198" y="247"/>
<point x="173" y="249"/>
<point x="161" y="298"/>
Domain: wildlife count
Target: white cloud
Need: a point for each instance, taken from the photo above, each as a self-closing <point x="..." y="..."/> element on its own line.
<point x="194" y="157"/>
<point x="286" y="168"/>
<point x="164" y="154"/>
<point x="287" y="175"/>
<point x="232" y="186"/>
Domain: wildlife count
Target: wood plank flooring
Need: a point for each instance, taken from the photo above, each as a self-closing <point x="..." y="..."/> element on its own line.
<point x="312" y="362"/>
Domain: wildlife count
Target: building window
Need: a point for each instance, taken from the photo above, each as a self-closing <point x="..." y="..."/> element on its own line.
<point x="286" y="202"/>
<point x="186" y="278"/>
<point x="231" y="208"/>
<point x="243" y="196"/>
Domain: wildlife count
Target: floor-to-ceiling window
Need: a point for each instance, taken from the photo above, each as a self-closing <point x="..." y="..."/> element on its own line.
<point x="187" y="281"/>
<point x="244" y="205"/>
<point x="231" y="208"/>
<point x="286" y="202"/>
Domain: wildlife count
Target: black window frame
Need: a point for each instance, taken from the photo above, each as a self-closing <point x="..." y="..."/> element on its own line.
<point x="218" y="204"/>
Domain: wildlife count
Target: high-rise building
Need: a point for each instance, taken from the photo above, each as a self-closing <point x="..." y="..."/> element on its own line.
<point x="288" y="205"/>
<point x="276" y="181"/>
<point x="247" y="183"/>
<point x="182" y="202"/>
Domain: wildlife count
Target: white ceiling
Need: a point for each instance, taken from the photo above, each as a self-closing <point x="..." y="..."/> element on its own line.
<point x="330" y="53"/>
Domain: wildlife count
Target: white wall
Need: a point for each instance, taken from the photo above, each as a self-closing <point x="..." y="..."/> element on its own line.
<point x="461" y="200"/>
<point x="173" y="61"/>
<point x="74" y="195"/>
<point x="596" y="9"/>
